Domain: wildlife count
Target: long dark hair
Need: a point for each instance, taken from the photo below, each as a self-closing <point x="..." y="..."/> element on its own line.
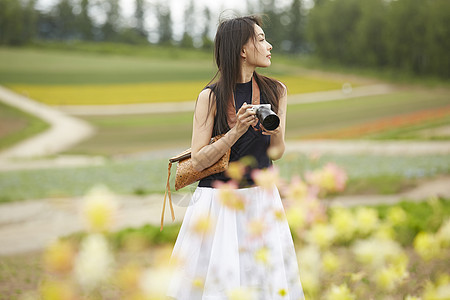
<point x="231" y="36"/>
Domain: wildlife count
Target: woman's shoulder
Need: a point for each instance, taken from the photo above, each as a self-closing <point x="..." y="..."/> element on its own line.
<point x="206" y="97"/>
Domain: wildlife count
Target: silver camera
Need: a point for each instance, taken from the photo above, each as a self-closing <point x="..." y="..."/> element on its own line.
<point x="266" y="116"/>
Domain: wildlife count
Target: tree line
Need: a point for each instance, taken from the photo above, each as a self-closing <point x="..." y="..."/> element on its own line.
<point x="411" y="35"/>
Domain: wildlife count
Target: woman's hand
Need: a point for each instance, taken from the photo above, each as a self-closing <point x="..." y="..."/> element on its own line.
<point x="245" y="117"/>
<point x="271" y="132"/>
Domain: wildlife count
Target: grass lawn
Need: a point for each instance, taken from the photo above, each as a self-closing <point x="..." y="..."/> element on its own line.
<point x="16" y="125"/>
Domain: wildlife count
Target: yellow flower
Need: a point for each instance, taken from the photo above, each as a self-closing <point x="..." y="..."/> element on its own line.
<point x="256" y="228"/>
<point x="59" y="257"/>
<point x="366" y="219"/>
<point x="241" y="294"/>
<point x="198" y="283"/>
<point x="57" y="290"/>
<point x="295" y="217"/>
<point x="309" y="258"/>
<point x="330" y="262"/>
<point x="279" y="215"/>
<point x="409" y="297"/>
<point x="322" y="235"/>
<point x="203" y="225"/>
<point x="99" y="209"/>
<point x="262" y="255"/>
<point x="396" y="215"/>
<point x="297" y="190"/>
<point x="384" y="232"/>
<point x="439" y="290"/>
<point x="236" y="170"/>
<point x="341" y="292"/>
<point x="266" y="178"/>
<point x="229" y="197"/>
<point x="386" y="278"/>
<point x="426" y="245"/>
<point x="344" y="222"/>
<point x="282" y="292"/>
<point x="128" y="277"/>
<point x="443" y="234"/>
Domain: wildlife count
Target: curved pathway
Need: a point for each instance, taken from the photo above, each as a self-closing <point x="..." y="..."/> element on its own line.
<point x="65" y="131"/>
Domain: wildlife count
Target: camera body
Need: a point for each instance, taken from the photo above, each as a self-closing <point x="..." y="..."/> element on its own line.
<point x="266" y="116"/>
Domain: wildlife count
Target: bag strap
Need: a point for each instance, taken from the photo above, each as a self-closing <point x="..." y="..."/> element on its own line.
<point x="170" y="198"/>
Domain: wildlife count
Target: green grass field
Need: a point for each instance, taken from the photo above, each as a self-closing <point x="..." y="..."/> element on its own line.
<point x="140" y="133"/>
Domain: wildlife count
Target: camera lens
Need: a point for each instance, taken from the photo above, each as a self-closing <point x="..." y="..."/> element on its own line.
<point x="268" y="118"/>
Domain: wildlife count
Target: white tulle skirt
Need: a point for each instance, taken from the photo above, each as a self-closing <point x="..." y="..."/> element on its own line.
<point x="221" y="250"/>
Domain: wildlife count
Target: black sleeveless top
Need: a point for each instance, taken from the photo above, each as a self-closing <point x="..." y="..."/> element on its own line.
<point x="251" y="147"/>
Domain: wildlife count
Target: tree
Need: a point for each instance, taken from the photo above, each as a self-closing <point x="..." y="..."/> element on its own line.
<point x="164" y="24"/>
<point x="139" y="15"/>
<point x="65" y="20"/>
<point x="296" y="26"/>
<point x="189" y="22"/>
<point x="85" y="24"/>
<point x="207" y="43"/>
<point x="110" y="28"/>
<point x="11" y="26"/>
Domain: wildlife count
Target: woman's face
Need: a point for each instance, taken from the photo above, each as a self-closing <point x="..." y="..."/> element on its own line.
<point x="257" y="52"/>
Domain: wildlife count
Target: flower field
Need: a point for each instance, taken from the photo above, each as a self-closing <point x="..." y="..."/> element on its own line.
<point x="385" y="252"/>
<point x="149" y="92"/>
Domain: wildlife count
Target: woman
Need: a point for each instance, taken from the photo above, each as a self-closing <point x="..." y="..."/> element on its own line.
<point x="247" y="246"/>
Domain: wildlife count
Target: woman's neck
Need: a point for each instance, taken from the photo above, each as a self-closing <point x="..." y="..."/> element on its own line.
<point x="246" y="74"/>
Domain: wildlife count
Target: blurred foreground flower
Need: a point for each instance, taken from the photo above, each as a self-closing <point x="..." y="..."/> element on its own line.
<point x="236" y="170"/>
<point x="439" y="290"/>
<point x="59" y="257"/>
<point x="426" y="245"/>
<point x="57" y="290"/>
<point x="229" y="196"/>
<point x="297" y="190"/>
<point x="99" y="209"/>
<point x="203" y="225"/>
<point x="93" y="265"/>
<point x="341" y="292"/>
<point x="266" y="178"/>
<point x="329" y="179"/>
<point x="241" y="294"/>
<point x="344" y="223"/>
<point x="377" y="252"/>
<point x="366" y="219"/>
<point x="154" y="283"/>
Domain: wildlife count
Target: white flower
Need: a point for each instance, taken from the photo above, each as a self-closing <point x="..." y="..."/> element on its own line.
<point x="154" y="282"/>
<point x="94" y="262"/>
<point x="377" y="252"/>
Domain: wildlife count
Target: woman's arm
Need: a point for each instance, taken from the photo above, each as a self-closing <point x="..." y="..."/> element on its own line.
<point x="204" y="155"/>
<point x="277" y="144"/>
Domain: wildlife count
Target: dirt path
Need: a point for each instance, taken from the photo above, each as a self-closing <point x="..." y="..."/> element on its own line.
<point x="65" y="131"/>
